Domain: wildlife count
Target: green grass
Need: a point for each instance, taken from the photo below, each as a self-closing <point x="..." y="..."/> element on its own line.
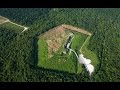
<point x="42" y="52"/>
<point x="12" y="27"/>
<point x="88" y="53"/>
<point x="78" y="41"/>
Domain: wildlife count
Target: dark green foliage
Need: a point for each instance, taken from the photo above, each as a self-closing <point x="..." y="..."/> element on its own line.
<point x="24" y="15"/>
<point x="17" y="62"/>
<point x="6" y="37"/>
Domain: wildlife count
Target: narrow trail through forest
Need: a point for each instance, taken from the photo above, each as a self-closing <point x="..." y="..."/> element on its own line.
<point x="25" y="28"/>
<point x="5" y="20"/>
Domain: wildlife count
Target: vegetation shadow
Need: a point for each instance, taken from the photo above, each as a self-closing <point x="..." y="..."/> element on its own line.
<point x="35" y="50"/>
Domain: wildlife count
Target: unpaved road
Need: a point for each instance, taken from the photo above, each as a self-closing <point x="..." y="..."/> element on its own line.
<point x="25" y="28"/>
<point x="1" y="21"/>
<point x="75" y="29"/>
<point x="4" y="20"/>
<point x="63" y="27"/>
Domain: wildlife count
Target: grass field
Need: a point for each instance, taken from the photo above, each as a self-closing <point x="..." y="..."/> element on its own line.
<point x="62" y="62"/>
<point x="42" y="51"/>
<point x="12" y="27"/>
<point x="88" y="53"/>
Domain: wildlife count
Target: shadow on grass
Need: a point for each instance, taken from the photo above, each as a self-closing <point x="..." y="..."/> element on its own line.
<point x="35" y="50"/>
<point x="52" y="70"/>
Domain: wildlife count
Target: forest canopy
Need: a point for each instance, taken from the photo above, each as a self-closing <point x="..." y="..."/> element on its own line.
<point x="18" y="50"/>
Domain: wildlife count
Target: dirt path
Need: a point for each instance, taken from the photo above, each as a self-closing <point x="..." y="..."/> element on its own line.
<point x="75" y="29"/>
<point x="25" y="28"/>
<point x="4" y="20"/>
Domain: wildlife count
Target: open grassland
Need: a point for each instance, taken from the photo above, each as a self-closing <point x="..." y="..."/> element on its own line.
<point x="78" y="41"/>
<point x="59" y="61"/>
<point x="88" y="53"/>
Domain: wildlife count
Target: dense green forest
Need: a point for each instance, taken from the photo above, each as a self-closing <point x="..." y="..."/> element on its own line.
<point x="18" y="54"/>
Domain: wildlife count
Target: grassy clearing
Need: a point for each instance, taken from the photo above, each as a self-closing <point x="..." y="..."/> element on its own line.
<point x="66" y="62"/>
<point x="88" y="53"/>
<point x="62" y="62"/>
<point x="78" y="41"/>
<point x="12" y="27"/>
<point x="42" y="52"/>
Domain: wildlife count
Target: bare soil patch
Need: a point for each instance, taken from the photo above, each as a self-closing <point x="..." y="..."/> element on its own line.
<point x="3" y="19"/>
<point x="75" y="29"/>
